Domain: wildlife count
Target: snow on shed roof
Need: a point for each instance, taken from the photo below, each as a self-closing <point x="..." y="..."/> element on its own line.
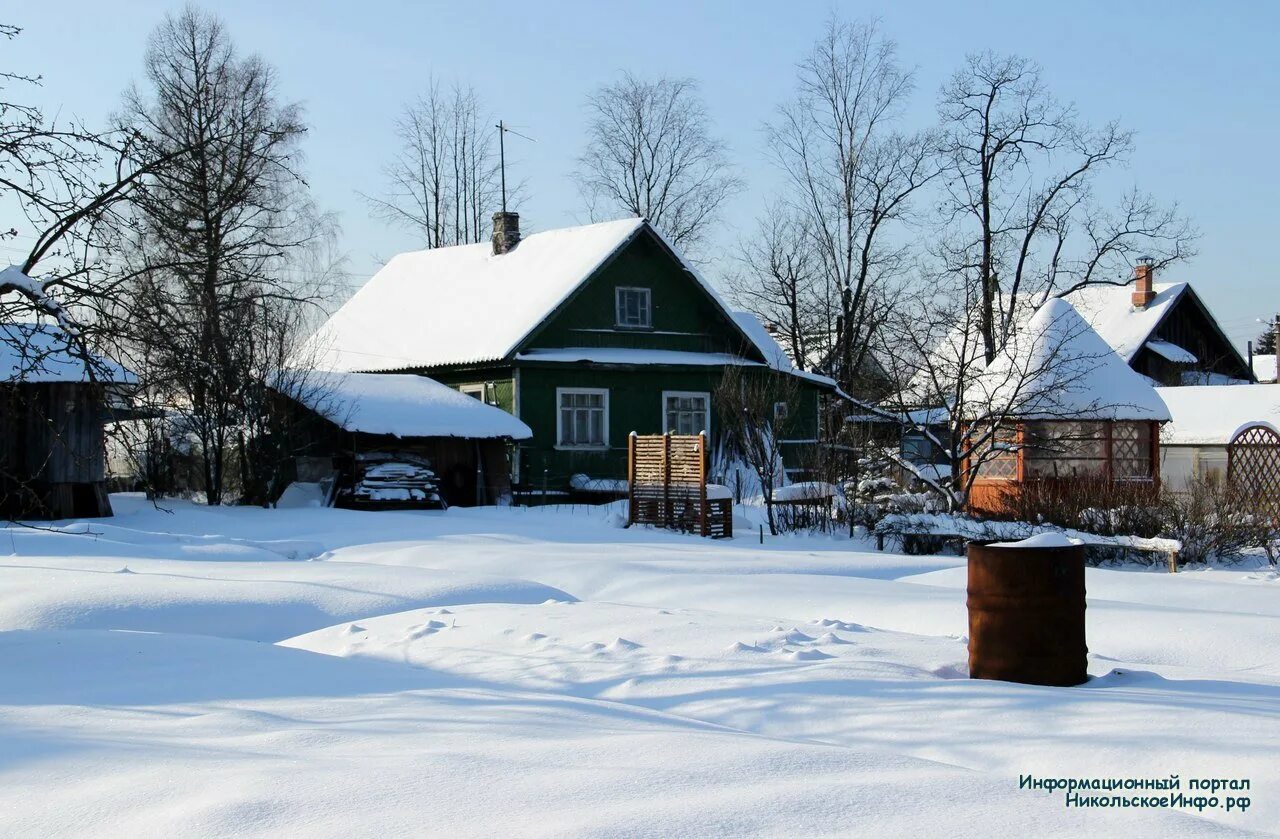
<point x="1211" y="414"/>
<point x="463" y="304"/>
<point x="40" y="353"/>
<point x="1171" y="351"/>
<point x="1110" y="312"/>
<point x="403" y="405"/>
<point x="1264" y="368"/>
<point x="1058" y="367"/>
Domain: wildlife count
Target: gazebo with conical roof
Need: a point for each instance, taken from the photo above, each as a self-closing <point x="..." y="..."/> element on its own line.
<point x="1058" y="405"/>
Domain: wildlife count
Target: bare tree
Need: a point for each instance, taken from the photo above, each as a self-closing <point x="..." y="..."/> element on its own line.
<point x="852" y="177"/>
<point x="1020" y="167"/>
<point x="779" y="281"/>
<point x="68" y="184"/>
<point x="651" y="153"/>
<point x="444" y="182"/>
<point x="747" y="401"/>
<point x="216" y="229"/>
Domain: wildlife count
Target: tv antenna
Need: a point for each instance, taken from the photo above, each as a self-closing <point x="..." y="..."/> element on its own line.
<point x="503" y="131"/>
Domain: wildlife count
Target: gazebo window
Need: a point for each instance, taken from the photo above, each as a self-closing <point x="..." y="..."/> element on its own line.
<point x="999" y="456"/>
<point x="1065" y="449"/>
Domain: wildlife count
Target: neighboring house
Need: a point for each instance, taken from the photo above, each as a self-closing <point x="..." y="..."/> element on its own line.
<point x="584" y="333"/>
<point x="54" y="401"/>
<point x="1205" y="419"/>
<point x="1163" y="331"/>
<point x="343" y="422"/>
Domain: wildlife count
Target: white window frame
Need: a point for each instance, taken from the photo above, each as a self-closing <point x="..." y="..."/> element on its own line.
<point x="685" y="393"/>
<point x="617" y="307"/>
<point x="600" y="391"/>
<point x="476" y="391"/>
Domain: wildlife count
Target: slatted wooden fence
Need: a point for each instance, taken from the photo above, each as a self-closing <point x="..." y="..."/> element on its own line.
<point x="667" y="485"/>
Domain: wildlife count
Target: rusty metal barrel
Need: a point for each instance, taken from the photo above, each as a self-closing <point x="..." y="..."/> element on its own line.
<point x="1026" y="612"/>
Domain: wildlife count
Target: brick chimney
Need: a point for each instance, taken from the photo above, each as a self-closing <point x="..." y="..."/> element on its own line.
<point x="506" y="232"/>
<point x="1143" y="277"/>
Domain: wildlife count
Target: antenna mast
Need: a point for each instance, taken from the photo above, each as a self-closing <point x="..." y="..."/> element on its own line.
<point x="503" y="130"/>
<point x="502" y="160"/>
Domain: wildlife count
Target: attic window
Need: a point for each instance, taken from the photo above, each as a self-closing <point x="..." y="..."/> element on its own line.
<point x="634" y="309"/>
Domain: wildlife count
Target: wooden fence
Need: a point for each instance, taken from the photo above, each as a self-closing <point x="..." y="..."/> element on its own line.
<point x="667" y="485"/>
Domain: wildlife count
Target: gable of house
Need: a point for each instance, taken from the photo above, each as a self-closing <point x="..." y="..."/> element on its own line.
<point x="643" y="298"/>
<point x="1173" y="340"/>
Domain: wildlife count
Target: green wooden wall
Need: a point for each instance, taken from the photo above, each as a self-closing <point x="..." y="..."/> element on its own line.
<point x="635" y="404"/>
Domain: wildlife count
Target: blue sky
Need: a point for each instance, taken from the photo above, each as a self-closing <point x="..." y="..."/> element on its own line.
<point x="1200" y="83"/>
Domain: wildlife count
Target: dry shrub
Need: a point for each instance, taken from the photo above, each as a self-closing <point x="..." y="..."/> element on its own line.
<point x="1211" y="519"/>
<point x="1107" y="508"/>
<point x="1215" y="520"/>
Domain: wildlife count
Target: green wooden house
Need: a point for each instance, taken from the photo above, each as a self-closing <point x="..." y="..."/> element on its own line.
<point x="584" y="333"/>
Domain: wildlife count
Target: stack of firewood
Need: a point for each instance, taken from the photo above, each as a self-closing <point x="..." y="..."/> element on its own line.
<point x="398" y="483"/>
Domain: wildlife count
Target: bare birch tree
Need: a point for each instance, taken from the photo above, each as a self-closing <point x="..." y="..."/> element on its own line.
<point x="852" y="177"/>
<point x="1020" y="167"/>
<point x="651" y="153"/>
<point x="443" y="184"/>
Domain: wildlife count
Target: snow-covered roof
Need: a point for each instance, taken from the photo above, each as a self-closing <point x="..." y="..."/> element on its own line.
<point x="1109" y="310"/>
<point x="1058" y="367"/>
<point x="37" y="353"/>
<point x="464" y="304"/>
<point x="771" y="349"/>
<point x="404" y="405"/>
<point x="1264" y="368"/>
<point x="1211" y="414"/>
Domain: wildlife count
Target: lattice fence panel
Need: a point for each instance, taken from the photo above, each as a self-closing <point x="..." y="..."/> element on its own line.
<point x="1253" y="465"/>
<point x="667" y="484"/>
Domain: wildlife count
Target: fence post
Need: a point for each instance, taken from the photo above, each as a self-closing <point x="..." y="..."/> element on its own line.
<point x="704" y="520"/>
<point x="631" y="479"/>
<point x="666" y="479"/>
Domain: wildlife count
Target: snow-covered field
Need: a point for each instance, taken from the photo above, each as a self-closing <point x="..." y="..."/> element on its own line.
<point x="216" y="672"/>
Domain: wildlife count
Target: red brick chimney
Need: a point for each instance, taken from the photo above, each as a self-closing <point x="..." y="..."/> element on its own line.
<point x="1143" y="277"/>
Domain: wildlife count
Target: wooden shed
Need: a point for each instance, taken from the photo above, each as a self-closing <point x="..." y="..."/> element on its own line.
<point x="348" y="424"/>
<point x="1059" y="406"/>
<point x="54" y="401"/>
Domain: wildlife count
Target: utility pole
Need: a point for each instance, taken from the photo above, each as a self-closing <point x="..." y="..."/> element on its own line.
<point x="1275" y="344"/>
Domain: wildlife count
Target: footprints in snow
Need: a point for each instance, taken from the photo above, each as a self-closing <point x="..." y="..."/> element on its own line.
<point x="782" y="640"/>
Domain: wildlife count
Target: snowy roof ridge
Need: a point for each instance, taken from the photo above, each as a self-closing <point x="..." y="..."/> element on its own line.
<point x="1058" y="367"/>
<point x="401" y="405"/>
<point x="463" y="304"/>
